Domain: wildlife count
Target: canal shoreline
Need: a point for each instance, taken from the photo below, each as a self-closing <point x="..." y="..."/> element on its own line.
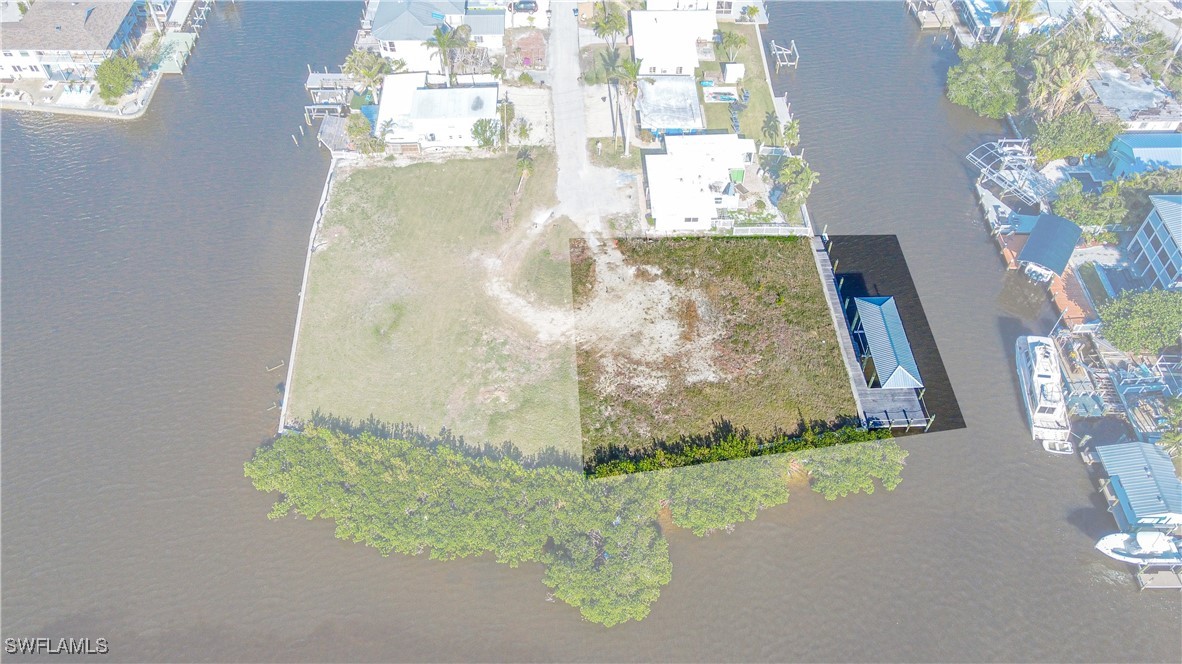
<point x="142" y="101"/>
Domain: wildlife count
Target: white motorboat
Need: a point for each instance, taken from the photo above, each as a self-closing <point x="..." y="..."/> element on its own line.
<point x="1148" y="547"/>
<point x="1042" y="392"/>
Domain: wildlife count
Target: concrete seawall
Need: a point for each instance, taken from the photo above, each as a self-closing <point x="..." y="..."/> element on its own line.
<point x="295" y="337"/>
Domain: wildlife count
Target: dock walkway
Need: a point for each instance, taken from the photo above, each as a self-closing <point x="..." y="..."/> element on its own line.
<point x="878" y="408"/>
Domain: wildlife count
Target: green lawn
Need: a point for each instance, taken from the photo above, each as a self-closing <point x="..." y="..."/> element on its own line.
<point x="606" y="152"/>
<point x="397" y="321"/>
<point x="751" y="119"/>
<point x="756" y="307"/>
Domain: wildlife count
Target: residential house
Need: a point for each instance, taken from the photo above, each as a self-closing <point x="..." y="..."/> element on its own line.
<point x="981" y="17"/>
<point x="68" y="40"/>
<point x="401" y="29"/>
<point x="725" y="10"/>
<point x="1141" y="489"/>
<point x="672" y="42"/>
<point x="411" y="113"/>
<point x="1137" y="102"/>
<point x="1131" y="154"/>
<point x="1049" y="247"/>
<point x="693" y="182"/>
<point x="1156" y="250"/>
<point x="669" y="105"/>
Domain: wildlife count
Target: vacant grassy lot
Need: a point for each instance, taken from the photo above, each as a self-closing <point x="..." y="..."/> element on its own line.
<point x="609" y="153"/>
<point x="750" y="342"/>
<point x="399" y="323"/>
<point x="718" y="116"/>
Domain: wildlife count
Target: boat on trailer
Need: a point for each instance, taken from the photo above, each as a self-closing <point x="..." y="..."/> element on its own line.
<point x="1148" y="547"/>
<point x="1042" y="392"/>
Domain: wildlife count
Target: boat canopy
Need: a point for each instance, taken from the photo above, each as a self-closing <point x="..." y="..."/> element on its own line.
<point x="883" y="328"/>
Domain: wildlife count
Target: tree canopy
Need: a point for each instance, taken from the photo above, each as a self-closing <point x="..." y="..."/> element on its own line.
<point x="984" y="81"/>
<point x="1143" y="322"/>
<point x="115" y="76"/>
<point x="1101" y="211"/>
<point x="1073" y="135"/>
<point x="609" y="22"/>
<point x="599" y="540"/>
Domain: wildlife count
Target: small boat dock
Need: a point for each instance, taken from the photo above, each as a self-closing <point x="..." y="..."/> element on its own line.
<point x="879" y="408"/>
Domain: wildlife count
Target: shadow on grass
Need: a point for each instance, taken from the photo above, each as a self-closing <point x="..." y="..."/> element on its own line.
<point x="549" y="456"/>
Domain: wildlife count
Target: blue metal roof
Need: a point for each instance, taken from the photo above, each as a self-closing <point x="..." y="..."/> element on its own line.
<point x="1051" y="243"/>
<point x="1145" y="152"/>
<point x="411" y="20"/>
<point x="1144" y="481"/>
<point x="888" y="343"/>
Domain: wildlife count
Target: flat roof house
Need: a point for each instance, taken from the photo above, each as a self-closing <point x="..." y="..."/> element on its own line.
<point x="1135" y="101"/>
<point x="1142" y="490"/>
<point x="68" y="40"/>
<point x="1156" y="249"/>
<point x="692" y="183"/>
<point x="412" y="113"/>
<point x="1131" y="154"/>
<point x="669" y="42"/>
<point x="669" y="105"/>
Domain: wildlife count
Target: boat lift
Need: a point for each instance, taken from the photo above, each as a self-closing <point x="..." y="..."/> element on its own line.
<point x="1009" y="164"/>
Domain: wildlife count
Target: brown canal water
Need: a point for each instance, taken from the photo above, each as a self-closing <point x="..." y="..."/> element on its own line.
<point x="150" y="274"/>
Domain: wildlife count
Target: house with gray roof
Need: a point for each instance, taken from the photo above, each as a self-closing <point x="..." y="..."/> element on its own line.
<point x="62" y="40"/>
<point x="401" y="28"/>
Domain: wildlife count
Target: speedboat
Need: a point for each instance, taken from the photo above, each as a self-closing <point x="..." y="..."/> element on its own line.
<point x="1148" y="547"/>
<point x="1042" y="392"/>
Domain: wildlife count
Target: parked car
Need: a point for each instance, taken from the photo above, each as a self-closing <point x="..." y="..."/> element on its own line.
<point x="526" y="6"/>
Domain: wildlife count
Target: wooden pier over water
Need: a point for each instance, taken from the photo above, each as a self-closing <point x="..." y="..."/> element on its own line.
<point x="878" y="408"/>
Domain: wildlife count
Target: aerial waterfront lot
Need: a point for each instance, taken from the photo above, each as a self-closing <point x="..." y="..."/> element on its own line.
<point x="734" y="330"/>
<point x="401" y="319"/>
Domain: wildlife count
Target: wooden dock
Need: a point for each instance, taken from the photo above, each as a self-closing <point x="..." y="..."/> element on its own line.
<point x="1159" y="578"/>
<point x="878" y="408"/>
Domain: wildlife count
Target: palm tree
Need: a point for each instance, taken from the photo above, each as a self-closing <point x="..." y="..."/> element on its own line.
<point x="369" y="68"/>
<point x="750" y="12"/>
<point x="525" y="161"/>
<point x="791" y="133"/>
<point x="629" y="75"/>
<point x="443" y="40"/>
<point x="1019" y="12"/>
<point x="610" y="61"/>
<point x="609" y="22"/>
<point x="732" y="43"/>
<point x="772" y="130"/>
<point x="1061" y="72"/>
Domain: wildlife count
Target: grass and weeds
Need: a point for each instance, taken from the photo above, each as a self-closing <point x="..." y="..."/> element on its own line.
<point x="754" y="351"/>
<point x="718" y="116"/>
<point x="609" y="153"/>
<point x="398" y="323"/>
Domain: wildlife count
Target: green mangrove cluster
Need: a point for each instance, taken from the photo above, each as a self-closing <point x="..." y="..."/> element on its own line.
<point x="600" y="540"/>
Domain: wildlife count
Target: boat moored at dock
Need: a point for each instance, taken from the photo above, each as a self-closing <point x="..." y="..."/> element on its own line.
<point x="1042" y="392"/>
<point x="1147" y="547"/>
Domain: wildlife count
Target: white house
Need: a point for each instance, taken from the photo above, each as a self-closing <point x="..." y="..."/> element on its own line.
<point x="401" y="27"/>
<point x="1156" y="250"/>
<point x="726" y="10"/>
<point x="68" y="40"/>
<point x="692" y="184"/>
<point x="412" y="113"/>
<point x="668" y="42"/>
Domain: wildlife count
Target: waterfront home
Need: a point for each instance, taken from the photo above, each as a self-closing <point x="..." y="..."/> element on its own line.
<point x="1131" y="154"/>
<point x="1155" y="251"/>
<point x="68" y="40"/>
<point x="1049" y="247"/>
<point x="415" y="117"/>
<point x="1140" y="486"/>
<point x="401" y="29"/>
<point x="981" y="17"/>
<point x="1133" y="99"/>
<point x="672" y="42"/>
<point x="725" y="10"/>
<point x="882" y="345"/>
<point x="669" y="105"/>
<point x="693" y="183"/>
<point x="1145" y="391"/>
